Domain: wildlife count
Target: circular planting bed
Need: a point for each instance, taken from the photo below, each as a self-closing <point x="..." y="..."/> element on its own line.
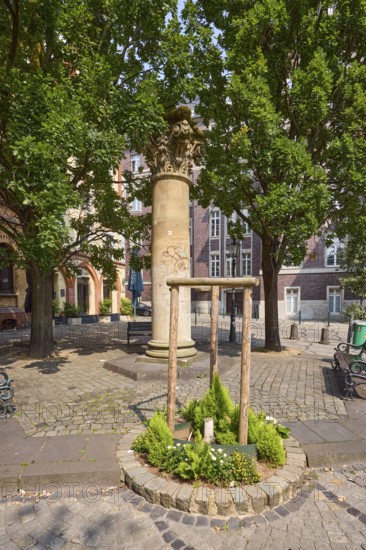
<point x="282" y="485"/>
<point x="213" y="474"/>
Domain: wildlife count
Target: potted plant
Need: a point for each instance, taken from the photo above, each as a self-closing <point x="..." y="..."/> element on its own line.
<point x="55" y="310"/>
<point x="72" y="312"/>
<point x="126" y="307"/>
<point x="104" y="310"/>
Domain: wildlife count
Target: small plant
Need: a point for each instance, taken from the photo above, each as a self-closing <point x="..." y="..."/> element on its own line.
<point x="105" y="306"/>
<point x="71" y="310"/>
<point x="199" y="461"/>
<point x="215" y="404"/>
<point x="55" y="308"/>
<point x="156" y="440"/>
<point x="269" y="443"/>
<point x="265" y="432"/>
<point x="244" y="468"/>
<point x="126" y="306"/>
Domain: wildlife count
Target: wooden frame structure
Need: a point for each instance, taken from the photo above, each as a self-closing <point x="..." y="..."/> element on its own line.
<point x="247" y="283"/>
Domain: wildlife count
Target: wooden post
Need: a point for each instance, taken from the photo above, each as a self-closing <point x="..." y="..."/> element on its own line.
<point x="172" y="361"/>
<point x="245" y="367"/>
<point x="214" y="325"/>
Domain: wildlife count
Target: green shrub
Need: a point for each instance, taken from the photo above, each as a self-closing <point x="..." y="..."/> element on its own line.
<point x="221" y="470"/>
<point x="268" y="441"/>
<point x="156" y="440"/>
<point x="215" y="404"/>
<point x="196" y="461"/>
<point x="244" y="469"/>
<point x="71" y="310"/>
<point x="356" y="311"/>
<point x="126" y="306"/>
<point x="105" y="306"/>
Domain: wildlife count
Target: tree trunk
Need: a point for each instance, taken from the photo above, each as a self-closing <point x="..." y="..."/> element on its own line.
<point x="41" y="343"/>
<point x="270" y="270"/>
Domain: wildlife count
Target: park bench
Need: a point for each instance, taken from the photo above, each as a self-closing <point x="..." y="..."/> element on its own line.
<point x="6" y="394"/>
<point x="349" y="360"/>
<point x="138" y="328"/>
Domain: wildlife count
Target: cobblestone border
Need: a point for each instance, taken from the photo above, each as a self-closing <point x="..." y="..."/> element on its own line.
<point x="231" y="501"/>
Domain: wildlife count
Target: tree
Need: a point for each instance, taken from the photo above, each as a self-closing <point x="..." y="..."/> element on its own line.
<point x="282" y="86"/>
<point x="353" y="260"/>
<point x="79" y="83"/>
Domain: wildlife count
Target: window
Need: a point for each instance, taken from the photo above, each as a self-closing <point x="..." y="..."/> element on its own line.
<point x="292" y="301"/>
<point x="334" y="300"/>
<point x="332" y="254"/>
<point x="135" y="163"/>
<point x="215" y="224"/>
<point x="135" y="205"/>
<point x="246" y="228"/>
<point x="107" y="290"/>
<point x="214" y="265"/>
<point x="229" y="267"/>
<point x="246" y="263"/>
<point x="6" y="272"/>
<point x="229" y="221"/>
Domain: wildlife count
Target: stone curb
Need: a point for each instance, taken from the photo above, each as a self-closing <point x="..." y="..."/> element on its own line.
<point x="221" y="501"/>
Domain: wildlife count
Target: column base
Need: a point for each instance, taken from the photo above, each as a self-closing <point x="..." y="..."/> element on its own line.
<point x="160" y="349"/>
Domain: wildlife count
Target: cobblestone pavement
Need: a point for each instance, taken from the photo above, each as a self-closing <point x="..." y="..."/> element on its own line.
<point x="73" y="394"/>
<point x="329" y="512"/>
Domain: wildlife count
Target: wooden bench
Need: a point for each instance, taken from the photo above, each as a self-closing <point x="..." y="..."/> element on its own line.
<point x="349" y="359"/>
<point x="138" y="328"/>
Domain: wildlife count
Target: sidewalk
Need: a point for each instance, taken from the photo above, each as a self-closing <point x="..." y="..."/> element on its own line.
<point x="72" y="412"/>
<point x="299" y="388"/>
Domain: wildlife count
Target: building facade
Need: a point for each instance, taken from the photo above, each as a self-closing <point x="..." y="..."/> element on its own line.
<point x="311" y="290"/>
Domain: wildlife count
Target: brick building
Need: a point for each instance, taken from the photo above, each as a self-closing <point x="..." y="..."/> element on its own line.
<point x="311" y="290"/>
<point x="85" y="289"/>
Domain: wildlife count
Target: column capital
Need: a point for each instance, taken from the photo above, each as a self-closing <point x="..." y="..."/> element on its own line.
<point x="177" y="149"/>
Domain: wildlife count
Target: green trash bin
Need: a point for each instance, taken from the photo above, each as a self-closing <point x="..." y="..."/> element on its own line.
<point x="359" y="333"/>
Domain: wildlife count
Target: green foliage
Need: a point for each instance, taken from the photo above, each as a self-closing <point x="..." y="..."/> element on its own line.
<point x="282" y="153"/>
<point x="55" y="307"/>
<point x="80" y="82"/>
<point x="244" y="468"/>
<point x="196" y="460"/>
<point x="126" y="306"/>
<point x="105" y="306"/>
<point x="200" y="461"/>
<point x="268" y="441"/>
<point x="71" y="310"/>
<point x="356" y="311"/>
<point x="215" y="404"/>
<point x="352" y="258"/>
<point x="155" y="440"/>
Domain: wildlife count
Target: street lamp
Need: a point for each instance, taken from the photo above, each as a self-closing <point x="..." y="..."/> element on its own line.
<point x="233" y="250"/>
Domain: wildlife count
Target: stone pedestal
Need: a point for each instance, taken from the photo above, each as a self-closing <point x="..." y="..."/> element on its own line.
<point x="170" y="158"/>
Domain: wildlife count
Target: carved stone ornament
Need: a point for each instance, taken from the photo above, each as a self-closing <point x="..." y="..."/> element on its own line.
<point x="175" y="151"/>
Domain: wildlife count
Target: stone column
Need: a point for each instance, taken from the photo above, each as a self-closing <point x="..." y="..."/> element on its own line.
<point x="170" y="158"/>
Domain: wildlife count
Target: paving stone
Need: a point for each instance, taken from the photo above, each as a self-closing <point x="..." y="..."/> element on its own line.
<point x="240" y="499"/>
<point x="183" y="497"/>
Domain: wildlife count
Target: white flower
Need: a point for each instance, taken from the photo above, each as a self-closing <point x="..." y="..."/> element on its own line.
<point x="271" y="419"/>
<point x="221" y="462"/>
<point x="219" y="451"/>
<point x="225" y="455"/>
<point x="213" y="457"/>
<point x="169" y="447"/>
<point x="178" y="445"/>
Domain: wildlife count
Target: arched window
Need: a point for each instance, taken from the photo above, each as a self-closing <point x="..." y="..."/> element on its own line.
<point x="6" y="271"/>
